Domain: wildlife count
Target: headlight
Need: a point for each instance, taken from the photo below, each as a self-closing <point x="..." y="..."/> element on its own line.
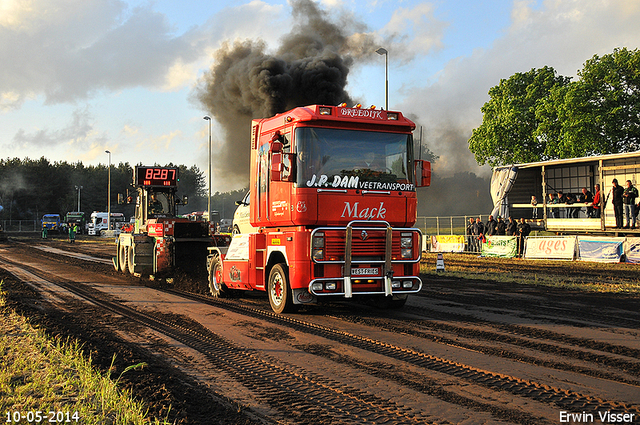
<point x="406" y="240"/>
<point x="316" y="286"/>
<point x="318" y="240"/>
<point x="407" y="284"/>
<point x="406" y="252"/>
<point x="395" y="284"/>
<point x="317" y="246"/>
<point x="330" y="286"/>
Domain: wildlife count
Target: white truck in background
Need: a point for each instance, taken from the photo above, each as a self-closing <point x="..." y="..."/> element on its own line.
<point x="98" y="223"/>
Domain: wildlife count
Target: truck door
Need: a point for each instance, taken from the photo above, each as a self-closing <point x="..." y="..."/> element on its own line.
<point x="280" y="191"/>
<point x="262" y="209"/>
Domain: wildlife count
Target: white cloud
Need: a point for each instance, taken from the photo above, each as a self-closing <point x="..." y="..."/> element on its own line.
<point x="76" y="134"/>
<point x="104" y="46"/>
<point x="562" y="34"/>
<point x="417" y="29"/>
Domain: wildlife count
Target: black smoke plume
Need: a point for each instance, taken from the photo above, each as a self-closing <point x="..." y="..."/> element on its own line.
<point x="246" y="81"/>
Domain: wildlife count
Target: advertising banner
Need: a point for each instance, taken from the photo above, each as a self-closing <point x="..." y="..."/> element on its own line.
<point x="600" y="249"/>
<point x="447" y="243"/>
<point x="632" y="250"/>
<point x="500" y="246"/>
<point x="550" y="248"/>
<point x="239" y="248"/>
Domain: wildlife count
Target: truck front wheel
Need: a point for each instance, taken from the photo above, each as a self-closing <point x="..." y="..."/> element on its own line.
<point x="279" y="290"/>
<point x="130" y="260"/>
<point x="216" y="287"/>
<point x="122" y="258"/>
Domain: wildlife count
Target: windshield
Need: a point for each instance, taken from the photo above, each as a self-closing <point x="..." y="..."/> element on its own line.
<point x="353" y="159"/>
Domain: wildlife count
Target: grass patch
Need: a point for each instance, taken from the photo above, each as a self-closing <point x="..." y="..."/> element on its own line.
<point x="43" y="374"/>
<point x="619" y="278"/>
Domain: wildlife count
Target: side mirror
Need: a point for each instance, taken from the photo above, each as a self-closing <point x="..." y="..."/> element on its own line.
<point x="276" y="147"/>
<point x="423" y="173"/>
<point x="282" y="167"/>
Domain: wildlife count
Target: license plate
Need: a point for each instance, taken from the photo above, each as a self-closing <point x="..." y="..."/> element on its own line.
<point x="365" y="271"/>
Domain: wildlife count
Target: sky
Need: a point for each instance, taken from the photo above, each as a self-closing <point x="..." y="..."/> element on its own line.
<point x="81" y="77"/>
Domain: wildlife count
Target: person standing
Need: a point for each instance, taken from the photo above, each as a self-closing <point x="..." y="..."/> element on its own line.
<point x="571" y="212"/>
<point x="512" y="227"/>
<point x="471" y="244"/>
<point x="587" y="198"/>
<point x="478" y="233"/>
<point x="617" y="191"/>
<point x="596" y="202"/>
<point x="534" y="204"/>
<point x="553" y="212"/>
<point x="629" y="201"/>
<point x="490" y="227"/>
<point x="501" y="227"/>
<point x="72" y="232"/>
<point x="523" y="231"/>
<point x="562" y="212"/>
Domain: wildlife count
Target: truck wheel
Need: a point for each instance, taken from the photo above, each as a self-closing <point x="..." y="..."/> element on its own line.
<point x="122" y="258"/>
<point x="130" y="260"/>
<point x="279" y="290"/>
<point x="216" y="287"/>
<point x="116" y="259"/>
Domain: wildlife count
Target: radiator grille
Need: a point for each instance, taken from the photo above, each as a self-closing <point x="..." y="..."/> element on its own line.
<point x="372" y="248"/>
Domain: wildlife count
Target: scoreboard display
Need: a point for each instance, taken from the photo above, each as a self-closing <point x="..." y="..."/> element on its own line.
<point x="156" y="177"/>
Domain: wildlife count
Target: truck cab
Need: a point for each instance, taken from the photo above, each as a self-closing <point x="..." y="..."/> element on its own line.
<point x="99" y="223"/>
<point x="332" y="204"/>
<point x="51" y="222"/>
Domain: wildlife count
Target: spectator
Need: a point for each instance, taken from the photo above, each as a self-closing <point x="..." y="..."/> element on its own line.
<point x="490" y="227"/>
<point x="523" y="231"/>
<point x="562" y="199"/>
<point x="617" y="191"/>
<point x="596" y="202"/>
<point x="501" y="227"/>
<point x="553" y="200"/>
<point x="534" y="204"/>
<point x="629" y="200"/>
<point x="471" y="245"/>
<point x="587" y="198"/>
<point x="478" y="233"/>
<point x="512" y="227"/>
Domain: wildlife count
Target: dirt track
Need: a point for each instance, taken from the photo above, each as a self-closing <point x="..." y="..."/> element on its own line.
<point x="469" y="352"/>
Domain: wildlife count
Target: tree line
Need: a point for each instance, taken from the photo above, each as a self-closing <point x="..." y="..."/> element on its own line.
<point x="539" y="115"/>
<point x="31" y="188"/>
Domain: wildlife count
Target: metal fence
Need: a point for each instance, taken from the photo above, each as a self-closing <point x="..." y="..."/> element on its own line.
<point x="21" y="225"/>
<point x="452" y="225"/>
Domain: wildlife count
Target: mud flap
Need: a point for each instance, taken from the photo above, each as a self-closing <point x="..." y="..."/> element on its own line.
<point x="302" y="296"/>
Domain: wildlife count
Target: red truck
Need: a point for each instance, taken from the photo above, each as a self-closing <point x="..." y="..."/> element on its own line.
<point x="332" y="204"/>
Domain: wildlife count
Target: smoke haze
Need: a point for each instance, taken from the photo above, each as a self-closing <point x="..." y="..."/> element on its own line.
<point x="310" y="66"/>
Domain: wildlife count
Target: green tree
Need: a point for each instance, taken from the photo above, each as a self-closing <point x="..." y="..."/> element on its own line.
<point x="537" y="115"/>
<point x="507" y="132"/>
<point x="599" y="113"/>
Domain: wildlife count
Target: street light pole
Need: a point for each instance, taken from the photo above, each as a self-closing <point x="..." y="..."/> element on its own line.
<point x="208" y="118"/>
<point x="78" y="188"/>
<point x="383" y="51"/>
<point x="109" y="195"/>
